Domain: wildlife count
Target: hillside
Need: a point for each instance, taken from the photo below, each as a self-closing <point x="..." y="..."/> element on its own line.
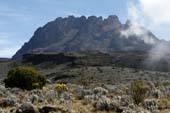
<point x="96" y="82"/>
<point x="135" y="60"/>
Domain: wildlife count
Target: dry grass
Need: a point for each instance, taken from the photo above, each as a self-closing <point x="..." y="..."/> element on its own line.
<point x="164" y="103"/>
<point x="165" y="111"/>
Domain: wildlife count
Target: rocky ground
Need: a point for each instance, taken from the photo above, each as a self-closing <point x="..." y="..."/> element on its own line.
<point x="90" y="89"/>
<point x="88" y="98"/>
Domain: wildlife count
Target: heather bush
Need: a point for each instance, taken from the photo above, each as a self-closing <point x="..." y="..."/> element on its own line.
<point x="61" y="87"/>
<point x="139" y="90"/>
<point x="25" y="78"/>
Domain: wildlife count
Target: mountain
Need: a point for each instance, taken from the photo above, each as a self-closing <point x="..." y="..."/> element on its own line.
<point x="86" y="34"/>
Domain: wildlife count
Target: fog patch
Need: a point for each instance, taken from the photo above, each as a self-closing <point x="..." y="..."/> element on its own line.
<point x="135" y="30"/>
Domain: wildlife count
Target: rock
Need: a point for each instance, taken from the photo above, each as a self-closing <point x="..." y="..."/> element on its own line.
<point x="12" y="110"/>
<point x="151" y="104"/>
<point x="51" y="109"/>
<point x="36" y="96"/>
<point x="3" y="90"/>
<point x="34" y="99"/>
<point x="5" y="102"/>
<point x="27" y="108"/>
<point x="37" y="92"/>
<point x="47" y="109"/>
<point x="3" y="110"/>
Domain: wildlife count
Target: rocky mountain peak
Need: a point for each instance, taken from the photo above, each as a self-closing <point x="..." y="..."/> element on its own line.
<point x="113" y="19"/>
<point x="82" y="34"/>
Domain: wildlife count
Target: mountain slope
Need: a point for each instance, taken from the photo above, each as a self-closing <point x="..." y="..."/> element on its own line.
<point x="85" y="34"/>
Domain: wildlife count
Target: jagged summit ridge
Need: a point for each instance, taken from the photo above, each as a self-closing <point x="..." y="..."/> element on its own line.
<point x="83" y="34"/>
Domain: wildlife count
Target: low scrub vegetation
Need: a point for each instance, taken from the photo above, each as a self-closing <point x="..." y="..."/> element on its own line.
<point x="166" y="83"/>
<point x="139" y="90"/>
<point x="25" y="78"/>
<point x="61" y="87"/>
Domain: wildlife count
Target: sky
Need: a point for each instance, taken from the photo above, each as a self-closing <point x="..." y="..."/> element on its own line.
<point x="20" y="18"/>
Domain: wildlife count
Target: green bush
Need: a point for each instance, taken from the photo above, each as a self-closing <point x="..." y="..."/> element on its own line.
<point x="166" y="83"/>
<point x="25" y="78"/>
<point x="139" y="90"/>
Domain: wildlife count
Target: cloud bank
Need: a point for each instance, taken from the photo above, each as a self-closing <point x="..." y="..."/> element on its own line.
<point x="139" y="16"/>
<point x="157" y="11"/>
<point x="153" y="15"/>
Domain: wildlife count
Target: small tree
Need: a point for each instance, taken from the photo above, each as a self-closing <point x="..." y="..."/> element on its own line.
<point x="139" y="90"/>
<point x="25" y="78"/>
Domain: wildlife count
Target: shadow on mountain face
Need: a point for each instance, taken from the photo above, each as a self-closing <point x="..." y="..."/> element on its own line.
<point x="136" y="60"/>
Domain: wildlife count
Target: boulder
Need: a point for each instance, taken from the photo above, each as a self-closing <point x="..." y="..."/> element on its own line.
<point x="151" y="104"/>
<point x="6" y="102"/>
<point x="47" y="109"/>
<point x="27" y="108"/>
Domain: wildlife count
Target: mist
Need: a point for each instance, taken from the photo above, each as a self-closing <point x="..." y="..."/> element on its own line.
<point x="142" y="15"/>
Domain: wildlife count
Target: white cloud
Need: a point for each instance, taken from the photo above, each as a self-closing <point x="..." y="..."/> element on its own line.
<point x="155" y="10"/>
<point x="137" y="17"/>
<point x="152" y="14"/>
<point x="136" y="30"/>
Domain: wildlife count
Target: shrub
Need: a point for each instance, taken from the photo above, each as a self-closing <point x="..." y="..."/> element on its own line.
<point x="25" y="78"/>
<point x="100" y="91"/>
<point x="139" y="90"/>
<point x="61" y="87"/>
<point x="103" y="104"/>
<point x="166" y="83"/>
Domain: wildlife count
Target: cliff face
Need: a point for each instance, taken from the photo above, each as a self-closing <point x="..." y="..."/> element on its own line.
<point x="83" y="34"/>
